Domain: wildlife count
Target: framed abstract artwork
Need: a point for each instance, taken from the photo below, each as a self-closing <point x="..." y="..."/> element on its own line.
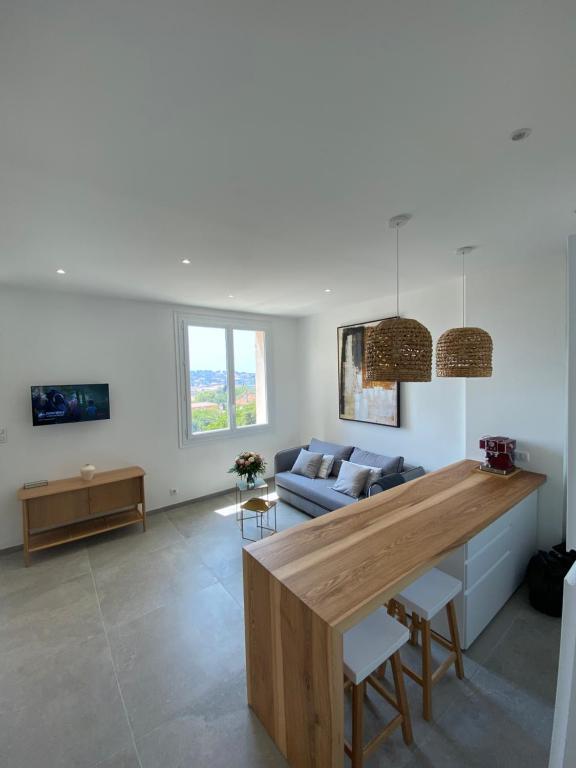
<point x="375" y="402"/>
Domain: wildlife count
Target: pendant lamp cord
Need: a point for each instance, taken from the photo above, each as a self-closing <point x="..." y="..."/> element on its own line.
<point x="463" y="290"/>
<point x="397" y="272"/>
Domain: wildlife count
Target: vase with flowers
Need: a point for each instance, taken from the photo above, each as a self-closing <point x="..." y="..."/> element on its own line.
<point x="248" y="466"/>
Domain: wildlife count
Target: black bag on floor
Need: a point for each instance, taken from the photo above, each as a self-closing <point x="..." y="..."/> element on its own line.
<point x="545" y="575"/>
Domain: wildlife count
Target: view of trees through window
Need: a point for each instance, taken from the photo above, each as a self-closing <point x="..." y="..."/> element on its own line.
<point x="209" y="350"/>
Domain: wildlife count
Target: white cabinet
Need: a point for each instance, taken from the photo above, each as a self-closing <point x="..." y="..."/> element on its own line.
<point x="491" y="566"/>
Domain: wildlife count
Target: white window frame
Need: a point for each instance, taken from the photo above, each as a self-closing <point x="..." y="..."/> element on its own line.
<point x="229" y="323"/>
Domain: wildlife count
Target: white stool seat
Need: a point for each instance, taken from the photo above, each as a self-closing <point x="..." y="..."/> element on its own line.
<point x="370" y="643"/>
<point x="430" y="593"/>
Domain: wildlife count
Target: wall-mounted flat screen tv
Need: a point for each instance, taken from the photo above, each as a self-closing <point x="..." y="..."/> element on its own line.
<point x="66" y="403"/>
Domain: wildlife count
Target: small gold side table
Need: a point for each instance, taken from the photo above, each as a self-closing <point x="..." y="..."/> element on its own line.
<point x="260" y="507"/>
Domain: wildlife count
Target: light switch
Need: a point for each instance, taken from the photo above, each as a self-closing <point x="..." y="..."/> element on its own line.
<point x="3" y="435"/>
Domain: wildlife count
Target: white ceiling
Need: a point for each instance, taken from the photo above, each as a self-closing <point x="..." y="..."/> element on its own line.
<point x="269" y="141"/>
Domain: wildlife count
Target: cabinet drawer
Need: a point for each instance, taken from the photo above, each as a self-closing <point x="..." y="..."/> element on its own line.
<point x="113" y="496"/>
<point x="60" y="509"/>
<point x="486" y="558"/>
<point x="485" y="599"/>
<point x="488" y="534"/>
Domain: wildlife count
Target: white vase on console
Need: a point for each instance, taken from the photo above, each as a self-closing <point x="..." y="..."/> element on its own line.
<point x="88" y="471"/>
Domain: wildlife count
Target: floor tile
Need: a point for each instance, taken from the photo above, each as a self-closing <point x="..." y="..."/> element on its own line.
<point x="172" y="600"/>
<point x="208" y="514"/>
<point x="49" y="568"/>
<point x="125" y="759"/>
<point x="219" y="732"/>
<point x="176" y="656"/>
<point x="235" y="586"/>
<point x="289" y="517"/>
<point x="129" y="590"/>
<point x="73" y="716"/>
<point x="479" y="734"/>
<point x="223" y="558"/>
<point x="127" y="544"/>
<point x="524" y="657"/>
<point x="36" y="621"/>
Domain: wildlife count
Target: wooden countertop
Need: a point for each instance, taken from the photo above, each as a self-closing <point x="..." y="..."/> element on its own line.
<point x="77" y="483"/>
<point x="344" y="564"/>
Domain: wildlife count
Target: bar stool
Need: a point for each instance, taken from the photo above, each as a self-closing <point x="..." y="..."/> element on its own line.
<point x="367" y="646"/>
<point x="425" y="598"/>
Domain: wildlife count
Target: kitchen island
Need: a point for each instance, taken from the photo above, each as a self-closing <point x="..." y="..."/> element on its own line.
<point x="306" y="586"/>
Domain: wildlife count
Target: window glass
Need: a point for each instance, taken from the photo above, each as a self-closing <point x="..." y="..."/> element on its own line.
<point x="208" y="379"/>
<point x="250" y="378"/>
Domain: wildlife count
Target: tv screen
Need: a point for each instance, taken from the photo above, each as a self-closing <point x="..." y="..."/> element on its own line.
<point x="65" y="403"/>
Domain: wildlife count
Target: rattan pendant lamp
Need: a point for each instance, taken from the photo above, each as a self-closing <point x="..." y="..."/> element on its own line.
<point x="466" y="351"/>
<point x="399" y="349"/>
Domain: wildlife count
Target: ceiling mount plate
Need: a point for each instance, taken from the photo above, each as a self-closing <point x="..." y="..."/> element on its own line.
<point x="465" y="250"/>
<point x="400" y="220"/>
<point x="520" y="134"/>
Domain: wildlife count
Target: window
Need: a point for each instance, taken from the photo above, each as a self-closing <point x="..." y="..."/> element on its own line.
<point x="223" y="377"/>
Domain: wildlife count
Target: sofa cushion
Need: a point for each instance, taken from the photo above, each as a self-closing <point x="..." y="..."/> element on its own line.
<point x="374" y="474"/>
<point x="338" y="451"/>
<point x="326" y="466"/>
<point x="307" y="464"/>
<point x="318" y="491"/>
<point x="388" y="464"/>
<point x="351" y="479"/>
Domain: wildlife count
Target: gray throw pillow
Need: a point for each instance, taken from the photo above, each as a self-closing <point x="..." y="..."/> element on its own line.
<point x="374" y="473"/>
<point x="351" y="479"/>
<point x="326" y="466"/>
<point x="307" y="464"/>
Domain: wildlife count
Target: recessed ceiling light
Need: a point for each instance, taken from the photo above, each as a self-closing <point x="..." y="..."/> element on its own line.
<point x="60" y="271"/>
<point x="520" y="134"/>
<point x="230" y="295"/>
<point x="327" y="290"/>
<point x="186" y="261"/>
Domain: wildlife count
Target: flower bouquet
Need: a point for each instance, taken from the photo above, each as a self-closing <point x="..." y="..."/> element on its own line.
<point x="248" y="465"/>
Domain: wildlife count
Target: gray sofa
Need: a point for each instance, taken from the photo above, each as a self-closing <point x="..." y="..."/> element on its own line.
<point x="316" y="497"/>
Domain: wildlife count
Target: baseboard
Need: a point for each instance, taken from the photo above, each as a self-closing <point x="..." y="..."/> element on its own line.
<point x="201" y="498"/>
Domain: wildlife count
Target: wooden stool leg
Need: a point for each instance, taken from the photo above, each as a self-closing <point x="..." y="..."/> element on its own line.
<point x="401" y="697"/>
<point x="381" y="671"/>
<point x="455" y="638"/>
<point x="414" y="628"/>
<point x="426" y="669"/>
<point x="358" y="724"/>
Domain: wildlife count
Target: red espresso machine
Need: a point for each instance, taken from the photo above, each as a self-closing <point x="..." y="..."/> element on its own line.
<point x="499" y="454"/>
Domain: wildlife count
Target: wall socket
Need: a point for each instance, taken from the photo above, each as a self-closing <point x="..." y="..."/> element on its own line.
<point x="522" y="456"/>
<point x="173" y="491"/>
<point x="3" y="435"/>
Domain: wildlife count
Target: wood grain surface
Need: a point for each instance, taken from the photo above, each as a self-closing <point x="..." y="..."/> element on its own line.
<point x="305" y="586"/>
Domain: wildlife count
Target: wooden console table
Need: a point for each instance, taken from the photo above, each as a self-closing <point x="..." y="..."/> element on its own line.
<point x="71" y="509"/>
<point x="304" y="587"/>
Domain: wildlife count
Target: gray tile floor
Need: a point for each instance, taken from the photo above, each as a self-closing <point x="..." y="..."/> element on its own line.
<point x="127" y="652"/>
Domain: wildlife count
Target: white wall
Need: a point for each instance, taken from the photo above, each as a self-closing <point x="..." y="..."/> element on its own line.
<point x="57" y="338"/>
<point x="520" y="301"/>
<point x="431" y="414"/>
<point x="54" y="337"/>
<point x="569" y="464"/>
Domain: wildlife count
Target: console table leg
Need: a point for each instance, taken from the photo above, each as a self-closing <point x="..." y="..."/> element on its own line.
<point x="143" y="505"/>
<point x="25" y="531"/>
